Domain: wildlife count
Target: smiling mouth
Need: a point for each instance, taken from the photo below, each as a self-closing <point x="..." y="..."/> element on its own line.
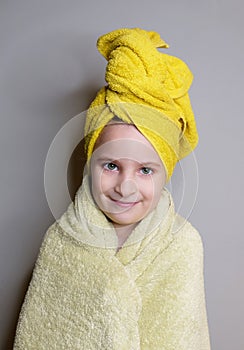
<point x="124" y="204"/>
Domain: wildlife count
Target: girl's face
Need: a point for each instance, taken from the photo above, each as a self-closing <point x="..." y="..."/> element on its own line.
<point x="127" y="175"/>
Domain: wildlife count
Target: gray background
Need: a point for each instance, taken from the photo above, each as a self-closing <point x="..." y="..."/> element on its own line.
<point x="50" y="70"/>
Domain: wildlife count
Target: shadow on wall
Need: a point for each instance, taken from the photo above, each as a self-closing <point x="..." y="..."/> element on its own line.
<point x="75" y="169"/>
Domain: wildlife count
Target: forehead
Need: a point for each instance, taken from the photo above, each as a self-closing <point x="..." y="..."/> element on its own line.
<point x="119" y="140"/>
<point x="119" y="130"/>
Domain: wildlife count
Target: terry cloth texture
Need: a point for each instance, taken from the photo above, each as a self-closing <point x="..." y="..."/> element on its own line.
<point x="84" y="295"/>
<point x="147" y="88"/>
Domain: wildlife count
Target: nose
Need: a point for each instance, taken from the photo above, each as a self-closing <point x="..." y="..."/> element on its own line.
<point x="126" y="187"/>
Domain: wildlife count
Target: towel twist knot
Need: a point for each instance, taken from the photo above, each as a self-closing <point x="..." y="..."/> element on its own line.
<point x="147" y="88"/>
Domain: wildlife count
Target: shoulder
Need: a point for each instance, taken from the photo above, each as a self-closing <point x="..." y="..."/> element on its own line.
<point x="186" y="240"/>
<point x="181" y="227"/>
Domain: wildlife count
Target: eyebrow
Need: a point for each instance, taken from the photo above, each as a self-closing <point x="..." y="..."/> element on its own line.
<point x="107" y="159"/>
<point x="149" y="164"/>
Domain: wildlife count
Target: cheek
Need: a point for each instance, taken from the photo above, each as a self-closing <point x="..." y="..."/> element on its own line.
<point x="95" y="182"/>
<point x="152" y="189"/>
<point x="147" y="188"/>
<point x="102" y="182"/>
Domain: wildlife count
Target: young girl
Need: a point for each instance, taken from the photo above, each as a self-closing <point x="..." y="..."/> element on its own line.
<point x="121" y="269"/>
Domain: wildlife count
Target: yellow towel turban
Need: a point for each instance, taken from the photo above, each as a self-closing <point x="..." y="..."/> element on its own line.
<point x="146" y="88"/>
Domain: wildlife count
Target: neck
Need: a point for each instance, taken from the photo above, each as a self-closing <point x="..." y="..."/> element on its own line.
<point x="123" y="232"/>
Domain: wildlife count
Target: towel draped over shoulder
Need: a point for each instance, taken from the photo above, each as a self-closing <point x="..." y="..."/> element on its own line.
<point x="86" y="295"/>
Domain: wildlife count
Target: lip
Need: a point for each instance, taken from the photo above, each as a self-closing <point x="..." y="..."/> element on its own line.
<point x="124" y="204"/>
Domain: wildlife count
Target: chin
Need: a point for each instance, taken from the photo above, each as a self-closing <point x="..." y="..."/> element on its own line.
<point x="122" y="221"/>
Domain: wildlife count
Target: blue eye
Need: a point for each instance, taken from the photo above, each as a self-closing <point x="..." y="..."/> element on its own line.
<point x="110" y="166"/>
<point x="146" y="171"/>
